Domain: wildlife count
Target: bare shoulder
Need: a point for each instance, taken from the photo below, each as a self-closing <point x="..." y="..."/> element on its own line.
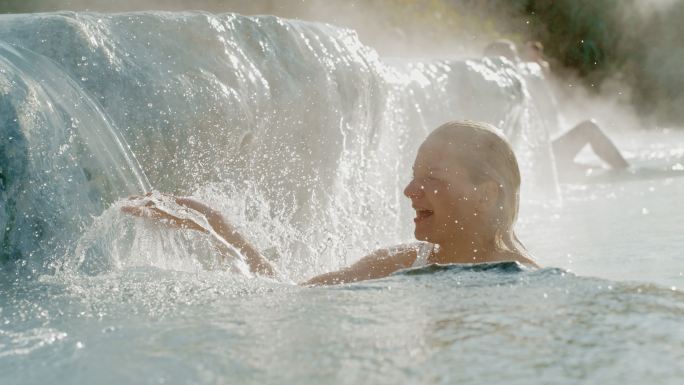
<point x="390" y="258"/>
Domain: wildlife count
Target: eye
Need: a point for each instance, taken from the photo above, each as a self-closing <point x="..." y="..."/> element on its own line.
<point x="427" y="176"/>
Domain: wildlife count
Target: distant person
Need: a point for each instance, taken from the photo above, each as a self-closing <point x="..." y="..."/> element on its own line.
<point x="534" y="53"/>
<point x="464" y="189"/>
<point x="570" y="143"/>
<point x="504" y="48"/>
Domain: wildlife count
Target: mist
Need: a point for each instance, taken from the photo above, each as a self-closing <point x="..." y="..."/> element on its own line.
<point x="622" y="55"/>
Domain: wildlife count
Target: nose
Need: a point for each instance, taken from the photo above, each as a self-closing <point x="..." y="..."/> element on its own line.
<point x="413" y="189"/>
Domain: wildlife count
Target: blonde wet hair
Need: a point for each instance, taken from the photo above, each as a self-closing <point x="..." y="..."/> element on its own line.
<point x="487" y="156"/>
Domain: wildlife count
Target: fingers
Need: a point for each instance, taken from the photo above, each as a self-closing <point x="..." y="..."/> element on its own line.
<point x="152" y="212"/>
<point x="132" y="210"/>
<point x="156" y="212"/>
<point x="148" y="211"/>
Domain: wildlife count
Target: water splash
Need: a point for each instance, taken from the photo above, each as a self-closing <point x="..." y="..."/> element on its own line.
<point x="298" y="132"/>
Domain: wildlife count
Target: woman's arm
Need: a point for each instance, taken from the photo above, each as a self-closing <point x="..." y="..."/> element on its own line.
<point x="257" y="263"/>
<point x="379" y="264"/>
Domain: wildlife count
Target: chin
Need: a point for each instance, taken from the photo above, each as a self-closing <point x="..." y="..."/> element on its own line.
<point x="422" y="236"/>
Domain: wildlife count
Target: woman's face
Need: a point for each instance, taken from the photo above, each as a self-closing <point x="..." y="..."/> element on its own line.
<point x="446" y="201"/>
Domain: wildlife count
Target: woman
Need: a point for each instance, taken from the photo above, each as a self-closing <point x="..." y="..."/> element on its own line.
<point x="465" y="191"/>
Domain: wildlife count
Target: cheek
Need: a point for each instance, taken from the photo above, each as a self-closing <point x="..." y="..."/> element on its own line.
<point x="457" y="204"/>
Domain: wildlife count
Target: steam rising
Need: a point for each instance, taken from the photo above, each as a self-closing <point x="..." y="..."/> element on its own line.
<point x="640" y="58"/>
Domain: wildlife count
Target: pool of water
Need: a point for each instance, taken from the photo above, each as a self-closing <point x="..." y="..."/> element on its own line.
<point x="502" y="325"/>
<point x="621" y="226"/>
<point x="95" y="107"/>
<point x="609" y="311"/>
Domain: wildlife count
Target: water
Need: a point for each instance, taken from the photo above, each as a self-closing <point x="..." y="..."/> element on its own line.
<point x="304" y="137"/>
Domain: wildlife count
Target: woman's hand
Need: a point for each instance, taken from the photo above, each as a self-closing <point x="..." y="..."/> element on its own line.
<point x="145" y="207"/>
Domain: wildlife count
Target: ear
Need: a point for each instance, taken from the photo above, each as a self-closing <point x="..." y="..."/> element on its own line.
<point x="489" y="195"/>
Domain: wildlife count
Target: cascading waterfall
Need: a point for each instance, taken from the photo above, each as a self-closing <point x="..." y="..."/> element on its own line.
<point x="63" y="161"/>
<point x="298" y="132"/>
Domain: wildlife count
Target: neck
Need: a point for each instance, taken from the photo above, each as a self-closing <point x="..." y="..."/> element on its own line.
<point x="474" y="249"/>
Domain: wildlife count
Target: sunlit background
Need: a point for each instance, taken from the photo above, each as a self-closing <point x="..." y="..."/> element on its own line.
<point x="628" y="50"/>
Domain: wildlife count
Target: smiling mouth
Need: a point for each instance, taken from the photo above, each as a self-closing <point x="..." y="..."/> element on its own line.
<point x="422" y="214"/>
